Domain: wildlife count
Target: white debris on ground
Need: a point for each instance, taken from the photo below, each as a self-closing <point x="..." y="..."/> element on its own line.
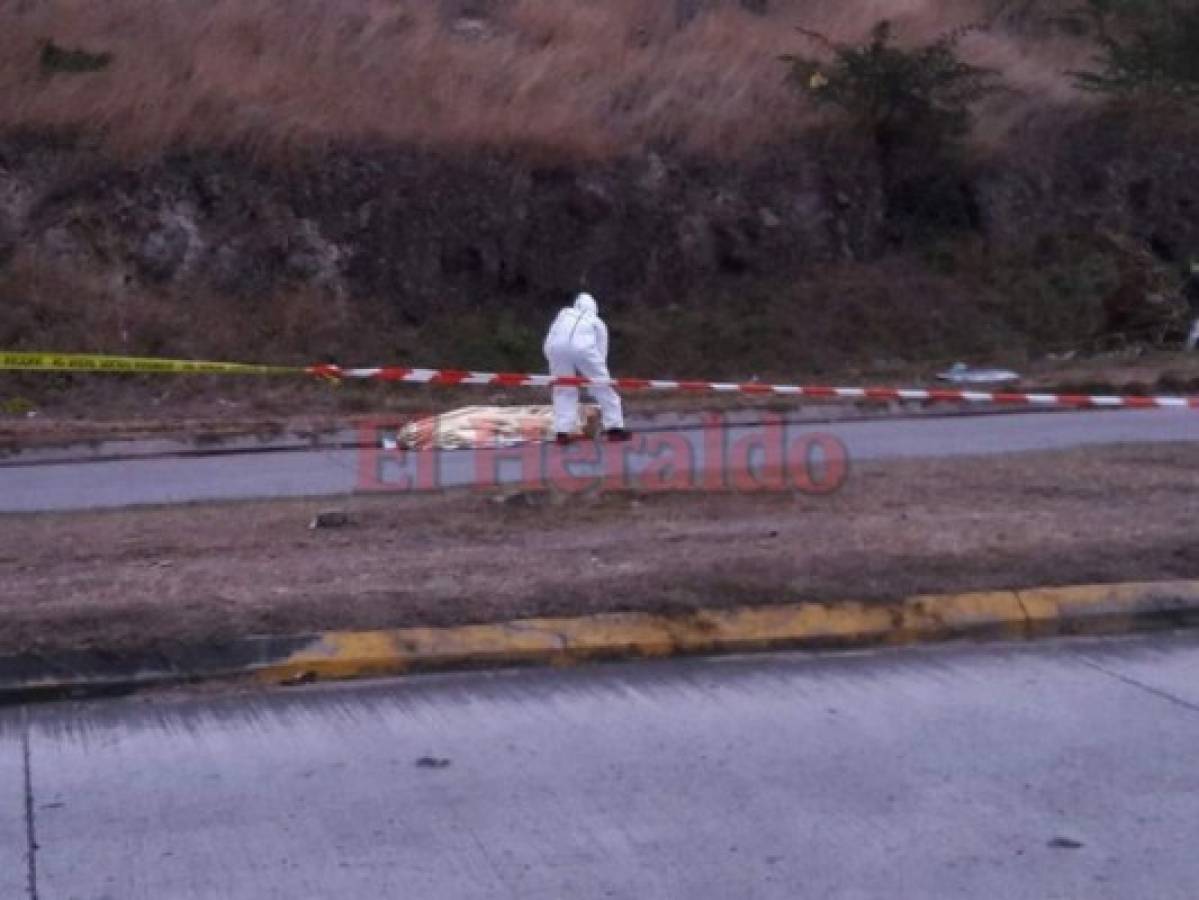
<point x="490" y="426"/>
<point x="960" y="373"/>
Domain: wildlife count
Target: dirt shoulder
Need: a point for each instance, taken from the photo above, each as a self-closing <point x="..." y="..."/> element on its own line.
<point x="152" y="577"/>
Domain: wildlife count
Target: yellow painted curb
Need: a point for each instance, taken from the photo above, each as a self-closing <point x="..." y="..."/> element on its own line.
<point x="1089" y="609"/>
<point x="1106" y="608"/>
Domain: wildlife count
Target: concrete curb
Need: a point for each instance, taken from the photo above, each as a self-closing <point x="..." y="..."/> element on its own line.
<point x="1023" y="614"/>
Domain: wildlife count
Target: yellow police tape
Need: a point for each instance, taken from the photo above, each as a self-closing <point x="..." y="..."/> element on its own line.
<point x="82" y="362"/>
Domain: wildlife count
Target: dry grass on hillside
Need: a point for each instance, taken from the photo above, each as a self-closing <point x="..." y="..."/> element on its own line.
<point x="574" y="76"/>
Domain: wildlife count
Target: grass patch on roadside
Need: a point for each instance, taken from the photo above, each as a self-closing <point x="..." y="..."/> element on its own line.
<point x="142" y="578"/>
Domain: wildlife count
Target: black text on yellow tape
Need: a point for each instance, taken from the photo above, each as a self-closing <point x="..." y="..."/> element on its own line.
<point x="80" y="362"/>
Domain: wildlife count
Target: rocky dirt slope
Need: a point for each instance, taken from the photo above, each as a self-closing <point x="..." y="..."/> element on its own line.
<point x="786" y="253"/>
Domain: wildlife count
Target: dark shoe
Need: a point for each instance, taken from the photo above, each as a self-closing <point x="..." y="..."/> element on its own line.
<point x="618" y="435"/>
<point x="562" y="439"/>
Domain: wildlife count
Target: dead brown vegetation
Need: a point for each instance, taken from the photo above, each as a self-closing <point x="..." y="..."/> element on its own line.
<point x="571" y="76"/>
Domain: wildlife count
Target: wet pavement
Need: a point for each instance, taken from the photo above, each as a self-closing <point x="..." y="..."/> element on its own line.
<point x="14" y="840"/>
<point x="58" y="485"/>
<point x="1015" y="771"/>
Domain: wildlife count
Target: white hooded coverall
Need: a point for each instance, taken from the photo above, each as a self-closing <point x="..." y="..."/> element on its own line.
<point x="577" y="344"/>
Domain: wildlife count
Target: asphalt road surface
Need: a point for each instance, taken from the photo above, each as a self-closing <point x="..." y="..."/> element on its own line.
<point x="29" y="487"/>
<point x="1055" y="770"/>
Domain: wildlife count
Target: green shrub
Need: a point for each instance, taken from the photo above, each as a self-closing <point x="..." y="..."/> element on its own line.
<point x="900" y="97"/>
<point x="915" y="106"/>
<point x="62" y="59"/>
<point x="1147" y="46"/>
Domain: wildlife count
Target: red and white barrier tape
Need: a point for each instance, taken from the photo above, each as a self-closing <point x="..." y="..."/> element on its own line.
<point x="454" y="378"/>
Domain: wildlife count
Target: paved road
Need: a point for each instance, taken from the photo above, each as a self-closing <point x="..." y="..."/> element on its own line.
<point x="25" y="488"/>
<point x="1043" y="771"/>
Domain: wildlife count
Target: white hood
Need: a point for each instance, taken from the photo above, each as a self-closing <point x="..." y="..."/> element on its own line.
<point x="586" y="304"/>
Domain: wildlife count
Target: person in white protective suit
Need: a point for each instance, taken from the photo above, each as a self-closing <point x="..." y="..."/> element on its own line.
<point x="1190" y="291"/>
<point x="577" y="344"/>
